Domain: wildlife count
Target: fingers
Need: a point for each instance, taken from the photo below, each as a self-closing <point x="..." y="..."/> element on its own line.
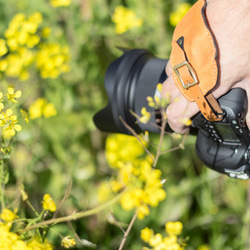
<point x="180" y="109"/>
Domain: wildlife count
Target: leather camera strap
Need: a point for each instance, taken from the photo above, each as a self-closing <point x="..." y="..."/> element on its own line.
<point x="194" y="61"/>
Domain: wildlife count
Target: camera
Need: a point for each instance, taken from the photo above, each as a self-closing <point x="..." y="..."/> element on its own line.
<point x="223" y="146"/>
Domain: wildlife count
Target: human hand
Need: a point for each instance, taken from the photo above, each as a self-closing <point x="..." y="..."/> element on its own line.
<point x="229" y="23"/>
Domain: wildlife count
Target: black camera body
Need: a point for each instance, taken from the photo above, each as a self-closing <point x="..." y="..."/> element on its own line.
<point x="223" y="146"/>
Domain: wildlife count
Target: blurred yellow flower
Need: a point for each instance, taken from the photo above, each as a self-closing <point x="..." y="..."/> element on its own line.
<point x="145" y="116"/>
<point x="60" y="3"/>
<point x="3" y="65"/>
<point x="125" y="19"/>
<point x="35" y="243"/>
<point x="11" y="128"/>
<point x="158" y="241"/>
<point x="21" y="31"/>
<point x="146" y="234"/>
<point x="52" y="60"/>
<point x="174" y="228"/>
<point x="67" y="242"/>
<point x="123" y="148"/>
<point x="3" y="48"/>
<point x="41" y="108"/>
<point x="7" y="215"/>
<point x="12" y="95"/>
<point x="179" y="13"/>
<point x="143" y="187"/>
<point x="49" y="110"/>
<point x="10" y="240"/>
<point x="48" y="203"/>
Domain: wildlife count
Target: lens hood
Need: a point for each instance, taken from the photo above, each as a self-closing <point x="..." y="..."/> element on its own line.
<point x="128" y="81"/>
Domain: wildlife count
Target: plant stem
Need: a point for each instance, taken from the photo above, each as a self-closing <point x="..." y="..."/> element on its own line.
<point x="163" y="127"/>
<point x="2" y="185"/>
<point x="127" y="231"/>
<point x="74" y="216"/>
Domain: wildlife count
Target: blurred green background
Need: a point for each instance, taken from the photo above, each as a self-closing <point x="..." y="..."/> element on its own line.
<point x="51" y="153"/>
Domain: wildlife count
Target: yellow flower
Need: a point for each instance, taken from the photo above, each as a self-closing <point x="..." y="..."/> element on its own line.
<point x="125" y="19"/>
<point x="12" y="95"/>
<point x="7" y="215"/>
<point x="49" y="110"/>
<point x="68" y="243"/>
<point x="3" y="48"/>
<point x="52" y="60"/>
<point x="22" y="29"/>
<point x="123" y="148"/>
<point x="179" y="13"/>
<point x="48" y="203"/>
<point x="145" y="116"/>
<point x="143" y="187"/>
<point x="36" y="108"/>
<point x="41" y="108"/>
<point x="155" y="240"/>
<point x="142" y="211"/>
<point x="146" y="234"/>
<point x="6" y="117"/>
<point x="35" y="243"/>
<point x="3" y="65"/>
<point x="174" y="228"/>
<point x="60" y="3"/>
<point x="12" y="127"/>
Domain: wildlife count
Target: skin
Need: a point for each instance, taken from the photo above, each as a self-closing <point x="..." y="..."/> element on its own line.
<point x="229" y="23"/>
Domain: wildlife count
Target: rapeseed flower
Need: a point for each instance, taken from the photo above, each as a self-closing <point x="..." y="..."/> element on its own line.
<point x="60" y="3"/>
<point x="146" y="234"/>
<point x="52" y="60"/>
<point x="157" y="101"/>
<point x="145" y="116"/>
<point x="41" y="108"/>
<point x="174" y="228"/>
<point x="12" y="128"/>
<point x="48" y="203"/>
<point x="125" y="19"/>
<point x="158" y="241"/>
<point x="21" y="31"/>
<point x="7" y="215"/>
<point x="3" y="48"/>
<point x="143" y="187"/>
<point x="123" y="148"/>
<point x="6" y="117"/>
<point x="67" y="242"/>
<point x="12" y="95"/>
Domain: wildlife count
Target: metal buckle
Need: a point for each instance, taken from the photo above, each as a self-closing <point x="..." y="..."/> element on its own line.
<point x="191" y="71"/>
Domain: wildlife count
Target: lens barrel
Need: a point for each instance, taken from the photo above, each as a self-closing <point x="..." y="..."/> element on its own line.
<point x="129" y="80"/>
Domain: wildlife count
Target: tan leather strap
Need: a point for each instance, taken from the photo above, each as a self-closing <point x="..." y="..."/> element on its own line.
<point x="193" y="59"/>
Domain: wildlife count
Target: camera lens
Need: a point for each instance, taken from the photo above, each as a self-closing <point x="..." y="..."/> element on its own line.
<point x="128" y="81"/>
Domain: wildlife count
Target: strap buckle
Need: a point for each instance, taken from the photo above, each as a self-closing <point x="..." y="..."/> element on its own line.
<point x="191" y="71"/>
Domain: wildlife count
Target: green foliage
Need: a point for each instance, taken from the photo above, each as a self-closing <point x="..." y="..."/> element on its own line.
<point x="66" y="151"/>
